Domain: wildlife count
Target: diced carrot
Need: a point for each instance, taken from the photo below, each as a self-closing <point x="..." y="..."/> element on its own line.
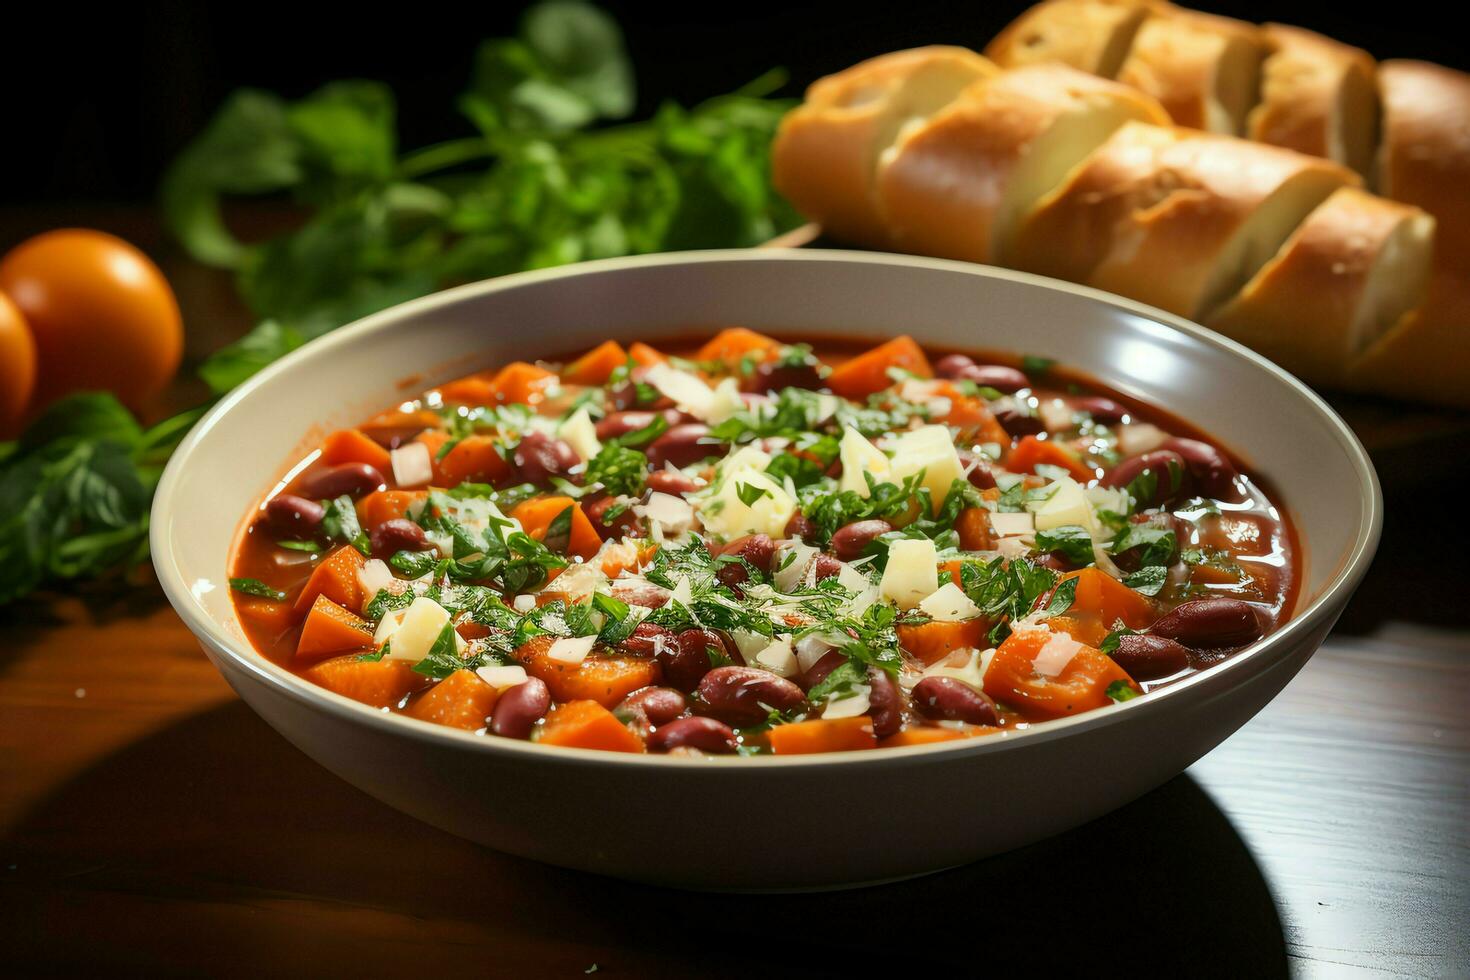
<point x="626" y="557"/>
<point x="734" y="344"/>
<point x="1030" y="451"/>
<point x="597" y="365"/>
<point x="606" y="680"/>
<point x="386" y="505"/>
<point x="588" y="725"/>
<point x="351" y="446"/>
<point x="868" y="372"/>
<point x="973" y="527"/>
<point x="435" y="440"/>
<point x="646" y="356"/>
<point x="468" y="629"/>
<point x="475" y="389"/>
<point x="380" y="683"/>
<point x="823" y="735"/>
<point x="1081" y="685"/>
<point x="461" y="700"/>
<point x="971" y="416"/>
<point x="932" y="642"/>
<point x="265" y="615"/>
<point x="537" y="514"/>
<point x="953" y="568"/>
<point x="329" y="629"/>
<point x="335" y="578"/>
<point x="473" y="459"/>
<point x="1084" y="629"/>
<point x="521" y="384"/>
<point x="931" y="734"/>
<point x="1106" y="600"/>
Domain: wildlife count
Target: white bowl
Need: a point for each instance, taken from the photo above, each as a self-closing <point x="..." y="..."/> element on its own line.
<point x="766" y="822"/>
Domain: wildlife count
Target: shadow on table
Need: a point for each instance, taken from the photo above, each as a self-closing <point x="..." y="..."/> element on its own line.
<point x="215" y="845"/>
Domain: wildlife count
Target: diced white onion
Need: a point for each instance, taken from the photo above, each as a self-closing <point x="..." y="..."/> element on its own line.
<point x="579" y="433"/>
<point x="857" y="703"/>
<point x="1140" y="437"/>
<point x="571" y="650"/>
<point x="949" y="604"/>
<point x="687" y="390"/>
<point x="911" y="574"/>
<point x="673" y="514"/>
<point x="422" y="623"/>
<point x="374" y="576"/>
<point x="523" y="603"/>
<point x="791" y="565"/>
<point x="412" y="466"/>
<point x="1055" y="654"/>
<point x="1055" y="414"/>
<point x="810" y="649"/>
<point x="779" y="659"/>
<point x="501" y="678"/>
<point x="1012" y="525"/>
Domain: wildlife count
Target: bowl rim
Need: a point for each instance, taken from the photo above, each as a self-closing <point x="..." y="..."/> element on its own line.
<point x="1265" y="653"/>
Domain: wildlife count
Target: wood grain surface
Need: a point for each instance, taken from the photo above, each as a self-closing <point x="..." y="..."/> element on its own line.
<point x="151" y="824"/>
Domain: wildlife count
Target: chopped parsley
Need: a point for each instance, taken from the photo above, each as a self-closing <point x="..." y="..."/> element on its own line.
<point x="255" y="587"/>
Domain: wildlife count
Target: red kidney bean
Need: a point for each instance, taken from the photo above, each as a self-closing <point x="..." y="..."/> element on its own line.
<point x="1167" y="466"/>
<point x="1210" y="623"/>
<point x="800" y="527"/>
<point x="518" y="709"/>
<point x="1213" y="473"/>
<point x="952" y="365"/>
<point x="1101" y="409"/>
<point x="395" y="535"/>
<point x="647" y="639"/>
<point x="687" y="659"/>
<point x="683" y="445"/>
<point x="818" y="671"/>
<point x="624" y="525"/>
<point x="671" y="481"/>
<point x="539" y="457"/>
<point x="825" y="566"/>
<point x="621" y="423"/>
<point x="697" y="732"/>
<point x="1017" y="423"/>
<point x="290" y="516"/>
<point x="773" y="377"/>
<point x="851" y="540"/>
<point x="885" y="703"/>
<point x="656" y="705"/>
<point x="944" y="698"/>
<point x="978" y="472"/>
<point x="743" y="695"/>
<point x="353" y="479"/>
<point x="996" y="376"/>
<point x="1148" y="658"/>
<point x="758" y="549"/>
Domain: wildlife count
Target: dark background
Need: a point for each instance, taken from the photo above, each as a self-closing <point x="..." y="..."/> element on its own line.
<point x="96" y="102"/>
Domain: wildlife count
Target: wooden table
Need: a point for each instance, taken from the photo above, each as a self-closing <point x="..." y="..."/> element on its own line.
<point x="150" y="823"/>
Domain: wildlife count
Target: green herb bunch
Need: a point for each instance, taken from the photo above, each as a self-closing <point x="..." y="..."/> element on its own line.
<point x="541" y="180"/>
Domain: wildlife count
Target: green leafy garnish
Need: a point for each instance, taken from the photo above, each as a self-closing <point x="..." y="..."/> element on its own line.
<point x="341" y="524"/>
<point x="1062" y="599"/>
<point x="1148" y="580"/>
<point x="1073" y="542"/>
<point x="255" y="587"/>
<point x="1121" y="691"/>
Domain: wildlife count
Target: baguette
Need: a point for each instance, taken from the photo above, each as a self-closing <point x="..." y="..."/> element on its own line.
<point x="1317" y="97"/>
<point x="1426" y="355"/>
<point x="1352" y="270"/>
<point x="955" y="186"/>
<point x="1173" y="217"/>
<point x="1089" y="35"/>
<point x="826" y="151"/>
<point x="1203" y="69"/>
<point x="1425" y="155"/>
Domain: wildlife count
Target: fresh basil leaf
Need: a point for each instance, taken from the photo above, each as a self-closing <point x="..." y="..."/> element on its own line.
<point x="1148" y="580"/>
<point x="1073" y="542"/>
<point x="1110" y="642"/>
<point x="749" y="493"/>
<point x="443" y="657"/>
<point x="341" y="524"/>
<point x="1062" y="598"/>
<point x="310" y="547"/>
<point x="1121" y="691"/>
<point x="231" y="365"/>
<point x="838" y="684"/>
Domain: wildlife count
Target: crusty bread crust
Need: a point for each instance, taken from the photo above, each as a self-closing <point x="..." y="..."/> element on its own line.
<point x="826" y="151"/>
<point x="1344" y="278"/>
<point x="1425" y="156"/>
<point x="1089" y="35"/>
<point x="1317" y="97"/>
<point x="954" y="187"/>
<point x="1425" y="356"/>
<point x="1203" y="69"/>
<point x="1173" y="217"/>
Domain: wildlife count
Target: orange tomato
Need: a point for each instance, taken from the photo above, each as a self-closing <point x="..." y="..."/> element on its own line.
<point x="102" y="315"/>
<point x="17" y="366"/>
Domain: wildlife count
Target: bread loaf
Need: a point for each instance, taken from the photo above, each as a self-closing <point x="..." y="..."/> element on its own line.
<point x="826" y="152"/>
<point x="1173" y="217"/>
<point x="1090" y="35"/>
<point x="1426" y="356"/>
<point x="1317" y="97"/>
<point x="955" y="186"/>
<point x="1354" y="268"/>
<point x="1425" y="155"/>
<point x="1203" y="69"/>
